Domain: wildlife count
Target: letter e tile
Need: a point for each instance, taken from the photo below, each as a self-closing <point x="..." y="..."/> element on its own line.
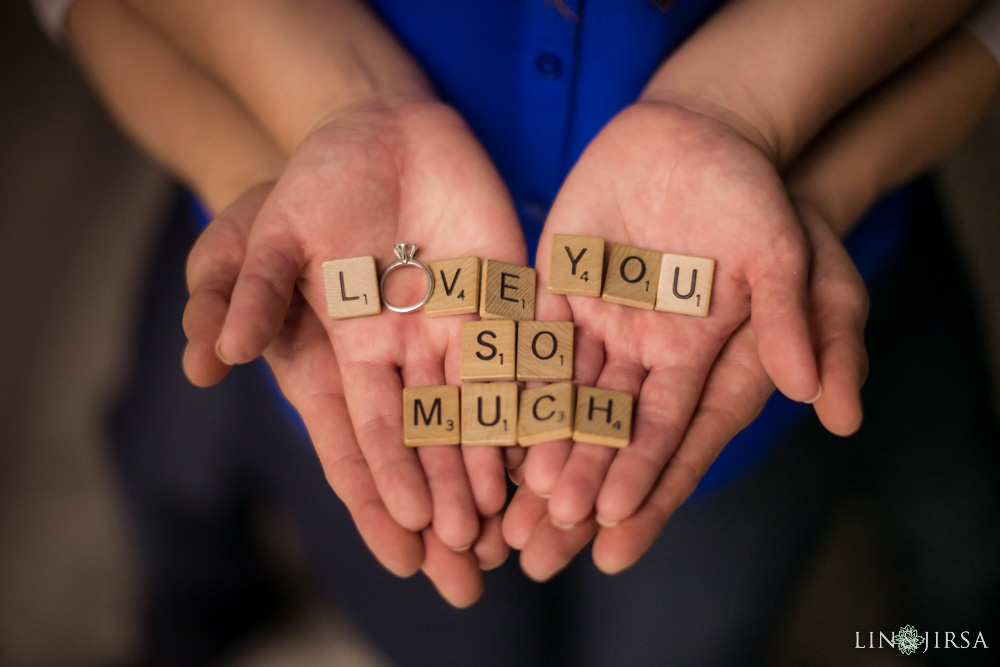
<point x="507" y="292"/>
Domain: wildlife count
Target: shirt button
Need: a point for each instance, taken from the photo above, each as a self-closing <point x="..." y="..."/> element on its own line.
<point x="549" y="65"/>
<point x="535" y="210"/>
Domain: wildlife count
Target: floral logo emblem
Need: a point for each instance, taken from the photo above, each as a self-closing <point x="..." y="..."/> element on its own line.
<point x="908" y="640"/>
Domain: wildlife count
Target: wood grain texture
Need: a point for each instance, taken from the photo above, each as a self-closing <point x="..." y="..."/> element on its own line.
<point x="685" y="285"/>
<point x="603" y="417"/>
<point x="489" y="414"/>
<point x="507" y="291"/>
<point x="489" y="350"/>
<point x="431" y="416"/>
<point x="633" y="276"/>
<point x="351" y="287"/>
<point x="577" y="265"/>
<point x="456" y="287"/>
<point x="544" y="351"/>
<point x="546" y="414"/>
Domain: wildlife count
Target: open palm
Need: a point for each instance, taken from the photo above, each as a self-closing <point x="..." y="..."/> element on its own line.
<point x="358" y="184"/>
<point x="663" y="178"/>
<point x="305" y="366"/>
<point x="735" y="391"/>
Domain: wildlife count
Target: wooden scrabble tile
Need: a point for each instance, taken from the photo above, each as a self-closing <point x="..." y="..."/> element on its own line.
<point x="351" y="287"/>
<point x="633" y="276"/>
<point x="546" y="414"/>
<point x="603" y="417"/>
<point x="577" y="265"/>
<point x="456" y="287"/>
<point x="431" y="416"/>
<point x="685" y="284"/>
<point x="489" y="350"/>
<point x="507" y="291"/>
<point x="489" y="414"/>
<point x="544" y="351"/>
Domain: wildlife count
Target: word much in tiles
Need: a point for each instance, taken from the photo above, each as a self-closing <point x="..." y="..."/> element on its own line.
<point x="495" y="414"/>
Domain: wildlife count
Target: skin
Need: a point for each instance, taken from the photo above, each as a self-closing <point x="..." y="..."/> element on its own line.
<point x="659" y="176"/>
<point x="873" y="148"/>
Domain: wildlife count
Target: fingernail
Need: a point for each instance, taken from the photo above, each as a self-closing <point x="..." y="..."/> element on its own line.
<point x="816" y="397"/>
<point x="562" y="526"/>
<point x="545" y="496"/>
<point x="218" y="353"/>
<point x="461" y="550"/>
<point x="607" y="523"/>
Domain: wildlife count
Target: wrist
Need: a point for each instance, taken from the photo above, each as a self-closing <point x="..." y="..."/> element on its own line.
<point x="748" y="119"/>
<point x="376" y="102"/>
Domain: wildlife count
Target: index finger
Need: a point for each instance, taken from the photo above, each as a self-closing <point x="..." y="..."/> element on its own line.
<point x="308" y="375"/>
<point x="734" y="394"/>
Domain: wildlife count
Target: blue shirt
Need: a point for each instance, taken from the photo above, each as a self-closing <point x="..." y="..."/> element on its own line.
<point x="536" y="82"/>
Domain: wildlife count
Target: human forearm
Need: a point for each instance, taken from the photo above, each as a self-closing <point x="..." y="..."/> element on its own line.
<point x="897" y="131"/>
<point x="781" y="70"/>
<point x="169" y="106"/>
<point x="292" y="63"/>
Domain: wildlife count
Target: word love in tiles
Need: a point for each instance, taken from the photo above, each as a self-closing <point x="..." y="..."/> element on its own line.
<point x="497" y="291"/>
<point x="636" y="277"/>
<point x="493" y="414"/>
<point x="505" y="350"/>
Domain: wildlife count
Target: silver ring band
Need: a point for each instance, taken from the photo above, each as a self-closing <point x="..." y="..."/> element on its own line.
<point x="405" y="253"/>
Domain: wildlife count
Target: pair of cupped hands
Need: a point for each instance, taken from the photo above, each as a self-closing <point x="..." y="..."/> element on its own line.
<point x="787" y="310"/>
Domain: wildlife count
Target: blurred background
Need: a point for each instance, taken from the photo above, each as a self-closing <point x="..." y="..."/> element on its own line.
<point x="80" y="211"/>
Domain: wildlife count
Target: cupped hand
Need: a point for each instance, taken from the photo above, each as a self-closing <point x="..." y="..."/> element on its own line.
<point x="306" y="369"/>
<point x="662" y="177"/>
<point x="362" y="181"/>
<point x="736" y="389"/>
